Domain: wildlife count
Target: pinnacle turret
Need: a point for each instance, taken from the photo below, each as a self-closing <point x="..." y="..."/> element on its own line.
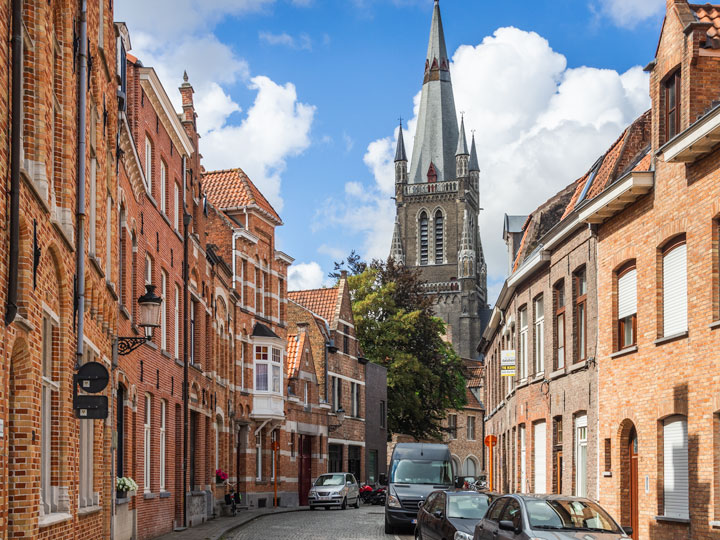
<point x="400" y="154"/>
<point x="462" y="148"/>
<point x="396" y="248"/>
<point x="466" y="254"/>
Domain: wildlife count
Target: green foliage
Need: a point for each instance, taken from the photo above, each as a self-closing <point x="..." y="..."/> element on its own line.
<point x="396" y="328"/>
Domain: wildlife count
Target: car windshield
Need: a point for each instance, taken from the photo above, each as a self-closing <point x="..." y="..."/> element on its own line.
<point x="468" y="506"/>
<point x="569" y="514"/>
<point x="331" y="480"/>
<point x="421" y="471"/>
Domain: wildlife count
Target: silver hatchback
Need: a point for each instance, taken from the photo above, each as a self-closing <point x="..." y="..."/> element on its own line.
<point x="334" y="489"/>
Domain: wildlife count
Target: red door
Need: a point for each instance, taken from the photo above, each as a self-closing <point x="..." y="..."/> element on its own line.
<point x="304" y="469"/>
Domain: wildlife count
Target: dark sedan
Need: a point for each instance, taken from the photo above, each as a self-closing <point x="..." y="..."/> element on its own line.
<point x="548" y="517"/>
<point x="451" y="515"/>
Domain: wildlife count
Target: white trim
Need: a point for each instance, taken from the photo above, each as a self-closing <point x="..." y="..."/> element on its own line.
<point x="615" y="198"/>
<point x="696" y="141"/>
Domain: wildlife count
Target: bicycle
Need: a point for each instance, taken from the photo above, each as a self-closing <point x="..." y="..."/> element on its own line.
<point x="233" y="498"/>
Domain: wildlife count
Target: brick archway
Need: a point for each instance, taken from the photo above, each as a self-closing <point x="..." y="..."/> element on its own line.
<point x="628" y="446"/>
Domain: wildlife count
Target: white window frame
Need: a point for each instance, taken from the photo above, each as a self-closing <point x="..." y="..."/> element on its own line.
<point x="108" y="236"/>
<point x="581" y="457"/>
<point x="452" y="427"/>
<point x="92" y="221"/>
<point x="539" y="335"/>
<point x="354" y="392"/>
<point x="675" y="319"/>
<point x="148" y="164"/>
<point x="270" y="359"/>
<point x="258" y="455"/>
<point x="192" y="333"/>
<point x="306" y="394"/>
<point x="163" y="423"/>
<point x="470" y="428"/>
<point x="50" y="388"/>
<point x="163" y="187"/>
<point x="163" y="310"/>
<point x="676" y="479"/>
<point x="176" y="341"/>
<point x="147" y="442"/>
<point x="540" y="457"/>
<point x="148" y="269"/>
<point x="522" y="345"/>
<point x="176" y="217"/>
<point x="522" y="435"/>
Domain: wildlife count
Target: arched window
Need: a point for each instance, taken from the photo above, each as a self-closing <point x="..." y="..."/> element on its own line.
<point x="439" y="228"/>
<point x="470" y="467"/>
<point x="423" y="238"/>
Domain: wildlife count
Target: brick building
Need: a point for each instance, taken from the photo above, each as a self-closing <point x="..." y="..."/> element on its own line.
<point x="376" y="432"/>
<point x="339" y="369"/>
<point x="659" y="297"/>
<point x="545" y="413"/>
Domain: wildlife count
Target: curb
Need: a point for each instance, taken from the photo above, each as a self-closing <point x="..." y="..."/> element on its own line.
<point x="250" y="519"/>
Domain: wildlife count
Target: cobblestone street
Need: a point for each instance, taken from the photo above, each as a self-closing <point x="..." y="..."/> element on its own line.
<point x="365" y="523"/>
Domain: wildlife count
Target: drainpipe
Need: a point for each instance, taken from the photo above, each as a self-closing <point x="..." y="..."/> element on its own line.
<point x="80" y="210"/>
<point x="15" y="153"/>
<point x="186" y="311"/>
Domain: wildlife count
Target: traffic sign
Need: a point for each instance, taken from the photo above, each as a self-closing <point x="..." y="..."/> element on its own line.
<point x="92" y="377"/>
<point x="490" y="441"/>
<point x="91" y="407"/>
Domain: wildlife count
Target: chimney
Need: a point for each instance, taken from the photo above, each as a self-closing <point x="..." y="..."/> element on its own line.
<point x="343" y="274"/>
<point x="186" y="92"/>
<point x="302" y="328"/>
<point x="671" y="3"/>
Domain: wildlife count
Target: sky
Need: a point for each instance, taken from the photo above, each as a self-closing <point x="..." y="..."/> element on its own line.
<point x="306" y="96"/>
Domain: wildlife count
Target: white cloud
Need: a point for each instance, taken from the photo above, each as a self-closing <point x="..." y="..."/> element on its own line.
<point x="303" y="41"/>
<point x="174" y="36"/>
<point x="539" y="126"/>
<point x="305" y="276"/>
<point x="628" y="13"/>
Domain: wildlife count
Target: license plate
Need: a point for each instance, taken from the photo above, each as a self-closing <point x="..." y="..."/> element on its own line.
<point x="324" y="498"/>
<point x="413" y="522"/>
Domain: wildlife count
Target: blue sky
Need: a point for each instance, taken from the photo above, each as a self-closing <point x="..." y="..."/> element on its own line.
<point x="305" y="96"/>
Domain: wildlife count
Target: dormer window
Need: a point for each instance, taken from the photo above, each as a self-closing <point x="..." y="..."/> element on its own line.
<point x="671" y="90"/>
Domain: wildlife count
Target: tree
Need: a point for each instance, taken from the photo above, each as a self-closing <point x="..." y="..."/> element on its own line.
<point x="353" y="264"/>
<point x="396" y="328"/>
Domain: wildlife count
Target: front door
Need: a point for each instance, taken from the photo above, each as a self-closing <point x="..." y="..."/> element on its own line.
<point x="305" y="469"/>
<point x="634" y="488"/>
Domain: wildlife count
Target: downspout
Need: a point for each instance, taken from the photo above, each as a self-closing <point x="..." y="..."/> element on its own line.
<point x="80" y="209"/>
<point x="186" y="374"/>
<point x="327" y="327"/>
<point x="15" y="154"/>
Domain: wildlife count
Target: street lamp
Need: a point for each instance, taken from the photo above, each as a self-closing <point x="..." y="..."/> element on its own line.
<point x="340" y="413"/>
<point x="149" y="304"/>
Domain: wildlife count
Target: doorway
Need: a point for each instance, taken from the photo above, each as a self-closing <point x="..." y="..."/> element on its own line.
<point x="305" y="469"/>
<point x="633" y="480"/>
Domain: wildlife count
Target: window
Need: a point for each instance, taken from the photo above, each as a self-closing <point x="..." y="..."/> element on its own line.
<point x="675" y="289"/>
<point x="672" y="92"/>
<point x="539" y="451"/>
<point x="581" y="314"/>
<point x="147" y="442"/>
<point x="439" y="228"/>
<point x="87" y="438"/>
<point x="163" y="187"/>
<point x="355" y="396"/>
<point x="471" y="428"/>
<point x="372" y="467"/>
<point x="470" y="467"/>
<point x="101" y="24"/>
<point x="560" y="325"/>
<point x="558" y="454"/>
<point x="346" y="339"/>
<point x="336" y="393"/>
<point x="148" y="163"/>
<point x="581" y="443"/>
<point x="163" y="423"/>
<point x="163" y="311"/>
<point x="178" y="210"/>
<point x="452" y="426"/>
<point x="523" y="459"/>
<point x="675" y="465"/>
<point x="382" y="414"/>
<point x="92" y="219"/>
<point x="522" y="344"/>
<point x="627" y="307"/>
<point x="423" y="238"/>
<point x="261" y="369"/>
<point x="306" y="399"/>
<point x="148" y="270"/>
<point x="176" y="322"/>
<point x="258" y="456"/>
<point x="273" y="440"/>
<point x="108" y="237"/>
<point x="192" y="333"/>
<point x="50" y="387"/>
<point x="539" y="336"/>
<point x="268" y="369"/>
<point x="512" y="513"/>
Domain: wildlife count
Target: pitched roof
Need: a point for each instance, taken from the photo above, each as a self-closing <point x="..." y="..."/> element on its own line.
<point x="294" y="352"/>
<point x="231" y="188"/>
<point x="260" y="330"/>
<point x="475" y="377"/>
<point x="321" y="302"/>
<point x="708" y="13"/>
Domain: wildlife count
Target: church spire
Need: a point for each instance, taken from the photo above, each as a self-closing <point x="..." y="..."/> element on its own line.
<point x="400" y="151"/>
<point x="396" y="248"/>
<point x="474" y="165"/>
<point x="401" y="166"/>
<point x="462" y="148"/>
<point x="436" y="138"/>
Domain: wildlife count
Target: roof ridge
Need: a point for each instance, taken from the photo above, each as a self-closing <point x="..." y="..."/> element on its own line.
<point x="217" y="171"/>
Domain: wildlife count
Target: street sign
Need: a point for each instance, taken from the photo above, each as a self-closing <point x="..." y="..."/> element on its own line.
<point x="92" y="377"/>
<point x="507" y="363"/>
<point x="490" y="441"/>
<point x="91" y="407"/>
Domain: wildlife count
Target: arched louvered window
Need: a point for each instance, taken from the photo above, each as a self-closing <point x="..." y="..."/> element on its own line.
<point x="439" y="227"/>
<point x="423" y="238"/>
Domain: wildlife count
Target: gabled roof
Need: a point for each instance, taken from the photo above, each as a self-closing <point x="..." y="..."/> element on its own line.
<point x="710" y="14"/>
<point x="231" y="188"/>
<point x="294" y="352"/>
<point x="260" y="330"/>
<point x="322" y="302"/>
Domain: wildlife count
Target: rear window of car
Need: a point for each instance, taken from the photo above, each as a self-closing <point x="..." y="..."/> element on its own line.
<point x="468" y="506"/>
<point x="569" y="514"/>
<point x="493" y="512"/>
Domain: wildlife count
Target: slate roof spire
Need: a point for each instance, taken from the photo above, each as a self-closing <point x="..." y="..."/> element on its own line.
<point x="400" y="154"/>
<point x="462" y="148"/>
<point x="474" y="165"/>
<point x="436" y="138"/>
<point x="396" y="249"/>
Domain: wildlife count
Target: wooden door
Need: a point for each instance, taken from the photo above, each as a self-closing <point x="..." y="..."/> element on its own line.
<point x="559" y="472"/>
<point x="305" y="469"/>
<point x="634" y="488"/>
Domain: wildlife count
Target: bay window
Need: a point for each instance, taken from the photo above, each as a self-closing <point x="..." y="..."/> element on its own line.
<point x="268" y="369"/>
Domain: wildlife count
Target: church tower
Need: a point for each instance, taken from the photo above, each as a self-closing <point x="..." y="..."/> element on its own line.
<point x="437" y="204"/>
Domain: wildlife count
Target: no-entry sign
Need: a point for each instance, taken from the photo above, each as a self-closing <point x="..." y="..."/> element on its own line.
<point x="490" y="441"/>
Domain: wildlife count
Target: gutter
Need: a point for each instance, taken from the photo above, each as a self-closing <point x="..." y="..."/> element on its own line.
<point x="80" y="209"/>
<point x="15" y="154"/>
<point x="186" y="313"/>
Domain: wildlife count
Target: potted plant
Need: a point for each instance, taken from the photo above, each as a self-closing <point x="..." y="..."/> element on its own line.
<point x="220" y="476"/>
<point x="125" y="487"/>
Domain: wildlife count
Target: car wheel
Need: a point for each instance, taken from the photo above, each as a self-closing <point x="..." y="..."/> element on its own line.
<point x="357" y="502"/>
<point x="418" y="534"/>
<point x="343" y="506"/>
<point x="389" y="529"/>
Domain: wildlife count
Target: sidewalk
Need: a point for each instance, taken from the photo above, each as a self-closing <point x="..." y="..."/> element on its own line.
<point x="218" y="527"/>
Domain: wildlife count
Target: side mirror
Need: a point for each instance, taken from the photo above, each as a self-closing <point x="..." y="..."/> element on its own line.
<point x="628" y="530"/>
<point x="348" y="483"/>
<point x="507" y="526"/>
<point x="438" y="514"/>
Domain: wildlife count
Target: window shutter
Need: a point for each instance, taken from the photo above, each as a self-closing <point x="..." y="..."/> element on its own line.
<point x="675" y="291"/>
<point x="676" y="467"/>
<point x="540" y="458"/>
<point x="627" y="294"/>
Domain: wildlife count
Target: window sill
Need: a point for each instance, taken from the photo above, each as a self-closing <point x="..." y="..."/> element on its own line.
<point x="673" y="337"/>
<point x="578" y="366"/>
<point x="715" y="524"/>
<point x="684" y="521"/>
<point x="179" y="362"/>
<point x="89" y="510"/>
<point x="521" y="383"/>
<point x="150" y="343"/>
<point x="111" y="288"/>
<point x="120" y="502"/>
<point x="149" y="495"/>
<point x="623" y="352"/>
<point x="165" y="494"/>
<point x="96" y="264"/>
<point x="539" y="376"/>
<point x="713" y="326"/>
<point x="166" y="354"/>
<point x="54" y="518"/>
<point x="557" y="374"/>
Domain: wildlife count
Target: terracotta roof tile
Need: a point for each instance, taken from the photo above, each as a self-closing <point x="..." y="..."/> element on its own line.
<point x="231" y="188"/>
<point x="293" y="354"/>
<point x="709" y="13"/>
<point x="320" y="301"/>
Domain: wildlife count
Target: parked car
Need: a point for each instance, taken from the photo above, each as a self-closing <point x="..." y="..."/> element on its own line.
<point x="451" y="515"/>
<point x="334" y="489"/>
<point x="547" y="517"/>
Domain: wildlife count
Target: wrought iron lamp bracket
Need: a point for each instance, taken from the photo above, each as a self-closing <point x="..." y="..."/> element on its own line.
<point x="126" y="345"/>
